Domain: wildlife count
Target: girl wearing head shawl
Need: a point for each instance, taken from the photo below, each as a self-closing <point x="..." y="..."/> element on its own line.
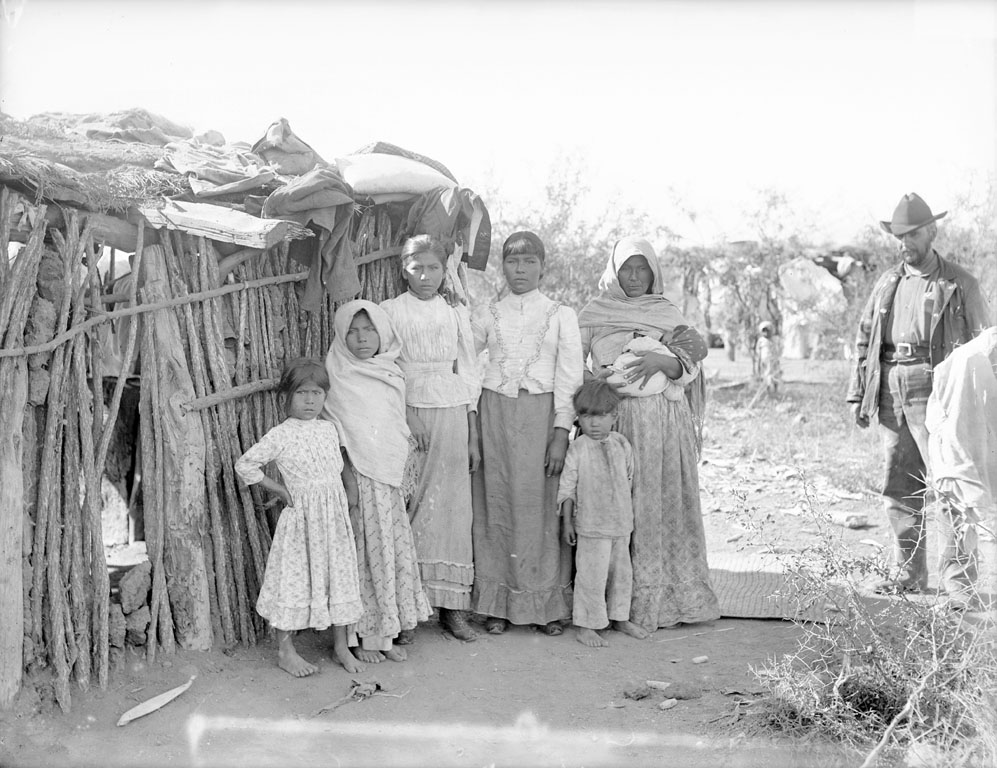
<point x="668" y="545"/>
<point x="366" y="400"/>
<point x="522" y="570"/>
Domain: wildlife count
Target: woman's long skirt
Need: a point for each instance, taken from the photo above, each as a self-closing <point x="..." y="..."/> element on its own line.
<point x="440" y="509"/>
<point x="668" y="545"/>
<point x="522" y="570"/>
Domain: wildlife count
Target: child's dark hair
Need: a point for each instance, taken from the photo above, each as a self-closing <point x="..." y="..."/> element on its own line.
<point x="423" y="244"/>
<point x="302" y="371"/>
<point x="524" y="242"/>
<point x="595" y="398"/>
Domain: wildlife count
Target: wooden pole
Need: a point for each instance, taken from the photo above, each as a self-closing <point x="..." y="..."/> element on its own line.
<point x="62" y="338"/>
<point x="19" y="282"/>
<point x="219" y="571"/>
<point x="181" y="435"/>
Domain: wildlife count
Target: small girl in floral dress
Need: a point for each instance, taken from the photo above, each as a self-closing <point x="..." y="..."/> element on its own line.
<point x="311" y="574"/>
<point x="366" y="400"/>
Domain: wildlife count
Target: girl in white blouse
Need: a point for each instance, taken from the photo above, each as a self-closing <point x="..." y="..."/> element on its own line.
<point x="522" y="568"/>
<point x="441" y="395"/>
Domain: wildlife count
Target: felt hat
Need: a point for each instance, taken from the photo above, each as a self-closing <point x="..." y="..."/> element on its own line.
<point x="911" y="213"/>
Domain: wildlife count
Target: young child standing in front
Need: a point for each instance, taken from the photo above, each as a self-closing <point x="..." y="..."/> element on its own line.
<point x="367" y="401"/>
<point x="311" y="574"/>
<point x="597" y="515"/>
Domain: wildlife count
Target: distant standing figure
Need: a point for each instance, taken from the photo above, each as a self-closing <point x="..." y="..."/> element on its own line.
<point x="598" y="517"/>
<point x="311" y="575"/>
<point x="918" y="313"/>
<point x="768" y="354"/>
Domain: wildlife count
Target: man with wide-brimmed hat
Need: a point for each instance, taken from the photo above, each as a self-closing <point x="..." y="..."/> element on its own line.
<point x="918" y="312"/>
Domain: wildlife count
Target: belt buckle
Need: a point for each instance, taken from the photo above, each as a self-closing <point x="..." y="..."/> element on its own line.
<point x="904" y="349"/>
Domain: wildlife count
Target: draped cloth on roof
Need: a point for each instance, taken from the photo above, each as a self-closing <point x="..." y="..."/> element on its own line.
<point x="322" y="200"/>
<point x="367" y="398"/>
<point x="612" y="311"/>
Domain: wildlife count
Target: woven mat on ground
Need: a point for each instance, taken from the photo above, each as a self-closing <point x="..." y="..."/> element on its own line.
<point x="756" y="586"/>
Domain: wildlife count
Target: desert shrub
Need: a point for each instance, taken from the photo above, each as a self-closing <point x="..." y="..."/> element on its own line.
<point x="904" y="679"/>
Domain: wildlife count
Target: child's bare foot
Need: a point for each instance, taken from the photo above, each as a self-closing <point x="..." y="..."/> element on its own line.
<point x="369" y="657"/>
<point x="591" y="638"/>
<point x="394" y="653"/>
<point x="629" y="628"/>
<point x="288" y="658"/>
<point x="291" y="662"/>
<point x="341" y="651"/>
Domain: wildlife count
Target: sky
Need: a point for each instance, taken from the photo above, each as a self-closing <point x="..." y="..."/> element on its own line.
<point x="667" y="106"/>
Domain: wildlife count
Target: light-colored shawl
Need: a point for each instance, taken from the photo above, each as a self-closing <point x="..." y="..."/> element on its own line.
<point x="366" y="398"/>
<point x="613" y="312"/>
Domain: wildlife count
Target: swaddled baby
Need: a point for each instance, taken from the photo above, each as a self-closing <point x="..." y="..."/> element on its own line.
<point x="657" y="384"/>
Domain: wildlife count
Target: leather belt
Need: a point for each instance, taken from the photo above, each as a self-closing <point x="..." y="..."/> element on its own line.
<point x="905" y="352"/>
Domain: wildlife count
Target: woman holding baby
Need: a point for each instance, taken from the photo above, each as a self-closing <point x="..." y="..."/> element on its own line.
<point x="668" y="547"/>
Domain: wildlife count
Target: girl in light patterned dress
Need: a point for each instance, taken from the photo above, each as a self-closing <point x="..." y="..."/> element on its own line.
<point x="311" y="574"/>
<point x="367" y="402"/>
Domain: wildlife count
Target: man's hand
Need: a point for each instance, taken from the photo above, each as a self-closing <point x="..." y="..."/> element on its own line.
<point x="862" y="421"/>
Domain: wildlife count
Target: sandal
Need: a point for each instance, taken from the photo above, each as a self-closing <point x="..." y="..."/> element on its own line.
<point x="553" y="629"/>
<point x="495" y="626"/>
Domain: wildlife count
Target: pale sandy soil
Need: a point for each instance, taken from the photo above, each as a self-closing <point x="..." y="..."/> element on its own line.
<point x="518" y="699"/>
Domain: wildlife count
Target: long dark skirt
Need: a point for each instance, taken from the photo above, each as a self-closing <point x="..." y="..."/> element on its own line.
<point x="522" y="570"/>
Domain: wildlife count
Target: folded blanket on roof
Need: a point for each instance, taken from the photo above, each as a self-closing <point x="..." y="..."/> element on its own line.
<point x="323" y="200"/>
<point x="386" y="148"/>
<point x="282" y="148"/>
<point x="214" y="171"/>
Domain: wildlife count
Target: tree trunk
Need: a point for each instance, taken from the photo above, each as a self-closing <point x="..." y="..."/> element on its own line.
<point x="184" y="513"/>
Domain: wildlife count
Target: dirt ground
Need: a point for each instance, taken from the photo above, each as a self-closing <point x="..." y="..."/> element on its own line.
<point x="517" y="699"/>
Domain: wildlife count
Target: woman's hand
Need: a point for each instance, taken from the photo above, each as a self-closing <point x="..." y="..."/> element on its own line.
<point x="473" y="449"/>
<point x="418" y="430"/>
<point x="557" y="448"/>
<point x="650" y="363"/>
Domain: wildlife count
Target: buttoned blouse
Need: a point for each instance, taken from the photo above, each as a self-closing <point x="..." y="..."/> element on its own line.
<point x="534" y="345"/>
<point x="437" y="357"/>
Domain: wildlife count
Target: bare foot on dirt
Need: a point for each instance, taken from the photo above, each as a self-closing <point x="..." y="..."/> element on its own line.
<point x="629" y="628"/>
<point x="341" y="651"/>
<point x="289" y="660"/>
<point x="368" y="657"/>
<point x="394" y="653"/>
<point x="591" y="638"/>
